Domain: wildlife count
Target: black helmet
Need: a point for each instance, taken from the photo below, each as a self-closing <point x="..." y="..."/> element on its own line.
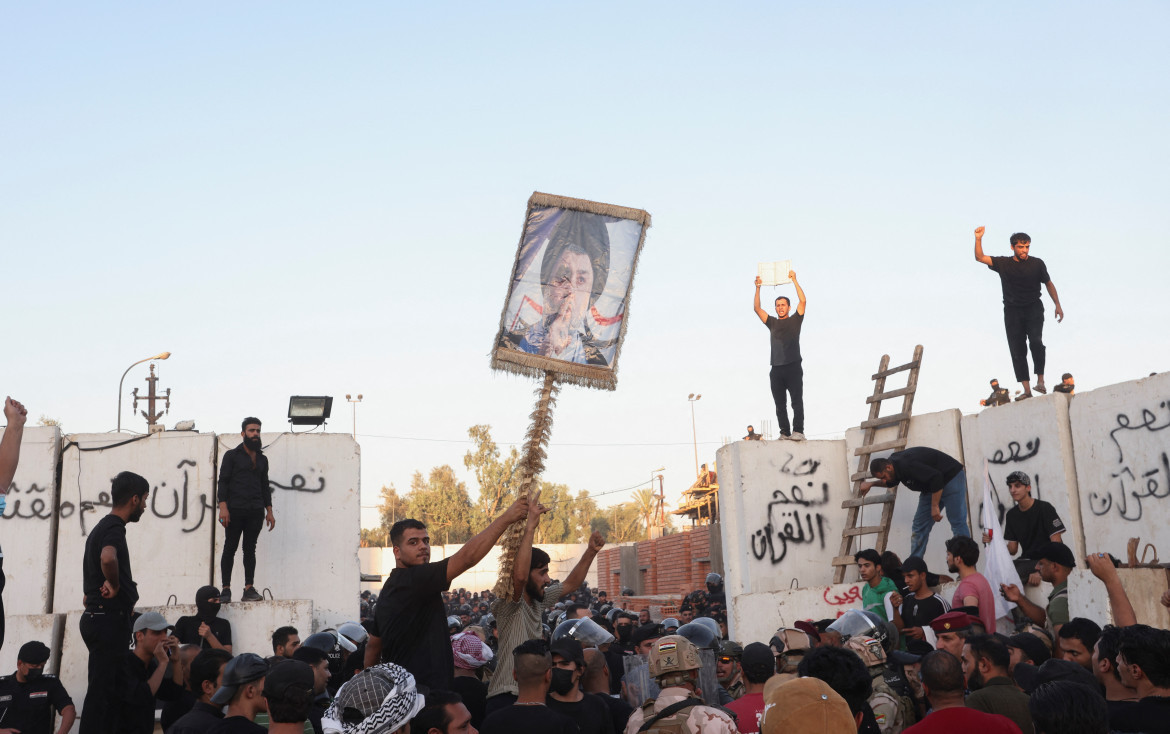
<point x="627" y="591"/>
<point x="700" y="634"/>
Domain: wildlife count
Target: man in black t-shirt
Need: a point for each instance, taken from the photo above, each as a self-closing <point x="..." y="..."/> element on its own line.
<point x="787" y="374"/>
<point x="920" y="607"/>
<point x="29" y="697"/>
<point x="1020" y="277"/>
<point x="1143" y="661"/>
<point x="110" y="595"/>
<point x="411" y="619"/>
<point x="1029" y="525"/>
<point x="245" y="506"/>
<point x="533" y="672"/>
<point x="565" y="695"/>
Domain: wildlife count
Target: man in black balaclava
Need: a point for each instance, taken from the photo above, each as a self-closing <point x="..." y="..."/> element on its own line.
<point x="206" y="629"/>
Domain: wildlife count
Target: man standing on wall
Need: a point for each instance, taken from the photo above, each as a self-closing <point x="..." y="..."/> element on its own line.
<point x="110" y="595"/>
<point x="15" y="415"/>
<point x="787" y="373"/>
<point x="245" y="505"/>
<point x="1020" y="277"/>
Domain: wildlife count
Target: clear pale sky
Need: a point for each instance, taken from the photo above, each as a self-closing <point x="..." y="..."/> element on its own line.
<point x="308" y="198"/>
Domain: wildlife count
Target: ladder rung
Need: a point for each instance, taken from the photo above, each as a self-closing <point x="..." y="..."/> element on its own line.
<point x="891" y="394"/>
<point x="867" y="530"/>
<point x="859" y="476"/>
<point x="844" y="561"/>
<point x="895" y="370"/>
<point x="897" y="443"/>
<point x="877" y="499"/>
<point x="886" y="421"/>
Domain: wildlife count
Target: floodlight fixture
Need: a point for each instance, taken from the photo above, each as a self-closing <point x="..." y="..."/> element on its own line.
<point x="309" y="410"/>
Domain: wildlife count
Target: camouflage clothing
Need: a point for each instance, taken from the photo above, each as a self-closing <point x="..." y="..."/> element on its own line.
<point x="737" y="689"/>
<point x="697" y="719"/>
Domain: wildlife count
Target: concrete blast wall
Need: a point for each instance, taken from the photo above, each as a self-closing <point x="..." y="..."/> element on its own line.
<point x="1100" y="458"/>
<point x="933" y="430"/>
<point x="312" y="552"/>
<point x="28" y="527"/>
<point x="780" y="511"/>
<point x="170" y="547"/>
<point x="1121" y="434"/>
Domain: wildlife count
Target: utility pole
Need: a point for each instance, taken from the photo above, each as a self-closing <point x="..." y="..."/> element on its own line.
<point x="694" y="434"/>
<point x="354" y="403"/>
<point x="151" y="398"/>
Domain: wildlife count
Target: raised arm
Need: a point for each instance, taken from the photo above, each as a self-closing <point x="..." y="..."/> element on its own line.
<point x="799" y="292"/>
<point x="985" y="259"/>
<point x="521" y="566"/>
<point x="1055" y="299"/>
<point x="474" y="550"/>
<point x="759" y="311"/>
<point x="596" y="543"/>
<point x="1101" y="564"/>
<point x="15" y="415"/>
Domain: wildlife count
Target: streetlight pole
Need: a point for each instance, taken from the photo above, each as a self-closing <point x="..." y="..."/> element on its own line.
<point x="160" y="355"/>
<point x="694" y="435"/>
<point x="354" y="402"/>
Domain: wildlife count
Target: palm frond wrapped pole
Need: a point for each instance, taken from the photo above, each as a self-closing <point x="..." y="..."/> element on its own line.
<point x="531" y="467"/>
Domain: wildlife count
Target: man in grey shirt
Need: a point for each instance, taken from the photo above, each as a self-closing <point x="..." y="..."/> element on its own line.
<point x="518" y="618"/>
<point x="787" y="373"/>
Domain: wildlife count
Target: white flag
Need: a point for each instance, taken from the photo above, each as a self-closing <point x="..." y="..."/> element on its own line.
<point x="997" y="566"/>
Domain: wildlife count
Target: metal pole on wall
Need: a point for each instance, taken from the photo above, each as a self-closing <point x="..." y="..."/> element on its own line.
<point x="694" y="435"/>
<point x="354" y="402"/>
<point x="160" y="355"/>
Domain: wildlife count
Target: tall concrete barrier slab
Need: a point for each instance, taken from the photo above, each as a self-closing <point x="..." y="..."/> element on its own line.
<point x="1121" y="434"/>
<point x="780" y="512"/>
<point x="933" y="430"/>
<point x="28" y="527"/>
<point x="252" y="627"/>
<point x="312" y="552"/>
<point x="22" y="628"/>
<point x="170" y="547"/>
<point x="1032" y="436"/>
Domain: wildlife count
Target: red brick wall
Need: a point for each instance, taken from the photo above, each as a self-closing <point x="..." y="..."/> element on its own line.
<point x="668" y="565"/>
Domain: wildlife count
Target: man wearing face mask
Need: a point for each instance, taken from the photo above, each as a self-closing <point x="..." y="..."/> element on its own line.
<point x="29" y="697"/>
<point x="565" y="695"/>
<point x="245" y="505"/>
<point x="206" y="629"/>
<point x="110" y="595"/>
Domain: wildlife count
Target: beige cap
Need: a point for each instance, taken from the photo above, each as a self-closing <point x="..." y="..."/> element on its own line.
<point x="806" y="706"/>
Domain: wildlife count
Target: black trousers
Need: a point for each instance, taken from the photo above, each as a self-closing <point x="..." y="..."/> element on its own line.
<point x="107" y="635"/>
<point x="246" y="523"/>
<point x="788" y="380"/>
<point x="3" y="581"/>
<point x="1025" y="326"/>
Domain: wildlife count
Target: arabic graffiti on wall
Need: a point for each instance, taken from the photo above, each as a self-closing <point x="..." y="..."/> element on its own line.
<point x="1004" y="461"/>
<point x="1140" y="476"/>
<point x="792" y="517"/>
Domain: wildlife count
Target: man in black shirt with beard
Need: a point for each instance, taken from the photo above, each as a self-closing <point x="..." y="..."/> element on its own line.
<point x="110" y="595"/>
<point x="245" y="505"/>
<point x="1020" y="277"/>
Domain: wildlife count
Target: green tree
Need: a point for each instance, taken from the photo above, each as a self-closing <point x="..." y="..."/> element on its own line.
<point x="499" y="481"/>
<point x="441" y="501"/>
<point x="378" y="537"/>
<point x="570" y="516"/>
<point x="625" y="525"/>
<point x="391" y="509"/>
<point x="646" y="502"/>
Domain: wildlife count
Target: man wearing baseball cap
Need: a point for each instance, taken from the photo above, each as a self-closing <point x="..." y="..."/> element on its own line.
<point x="1028" y="526"/>
<point x="565" y="695"/>
<point x="758" y="665"/>
<point x="29" y="696"/>
<point x="1054" y="561"/>
<point x="243" y="692"/>
<point x="288" y="695"/>
<point x="144" y="674"/>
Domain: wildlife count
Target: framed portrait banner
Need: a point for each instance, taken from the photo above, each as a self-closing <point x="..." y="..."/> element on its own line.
<point x="568" y="301"/>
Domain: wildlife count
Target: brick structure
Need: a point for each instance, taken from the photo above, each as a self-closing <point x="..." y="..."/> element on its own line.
<point x="671" y="566"/>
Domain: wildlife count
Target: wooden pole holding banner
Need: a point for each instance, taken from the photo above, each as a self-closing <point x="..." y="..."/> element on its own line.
<point x="531" y="466"/>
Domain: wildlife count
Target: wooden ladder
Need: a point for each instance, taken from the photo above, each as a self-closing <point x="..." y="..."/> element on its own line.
<point x="867" y="448"/>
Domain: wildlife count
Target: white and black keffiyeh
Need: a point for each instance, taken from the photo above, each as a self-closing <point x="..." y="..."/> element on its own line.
<point x="378" y="700"/>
